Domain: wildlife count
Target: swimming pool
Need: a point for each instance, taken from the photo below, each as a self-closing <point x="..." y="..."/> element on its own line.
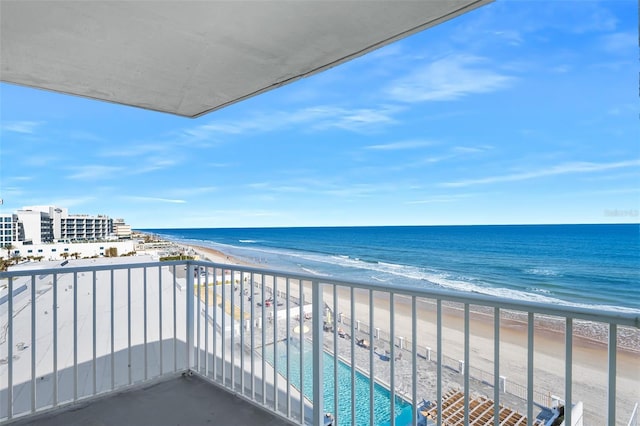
<point x="381" y="395"/>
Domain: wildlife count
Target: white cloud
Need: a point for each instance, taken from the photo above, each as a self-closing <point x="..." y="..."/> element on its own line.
<point x="561" y="69"/>
<point x="71" y="202"/>
<point x="273" y="187"/>
<point x="561" y="169"/>
<point x="27" y="127"/>
<point x="622" y="42"/>
<point x="85" y="136"/>
<point x="471" y="149"/>
<point x="190" y="192"/>
<point x="155" y="163"/>
<point x="95" y="171"/>
<point x="612" y="191"/>
<point x="154" y="199"/>
<point x="135" y="150"/>
<point x="624" y="109"/>
<point x="356" y="120"/>
<point x="513" y="37"/>
<point x="448" y="79"/>
<point x="401" y="145"/>
<point x="320" y="117"/>
<point x="441" y="199"/>
<point x="40" y="160"/>
<point x="259" y="185"/>
<point x="355" y="190"/>
<point x="18" y="178"/>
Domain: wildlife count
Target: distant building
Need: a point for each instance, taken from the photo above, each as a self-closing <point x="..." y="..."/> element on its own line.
<point x="34" y="226"/>
<point x="8" y="228"/>
<point x="120" y="229"/>
<point x="47" y="224"/>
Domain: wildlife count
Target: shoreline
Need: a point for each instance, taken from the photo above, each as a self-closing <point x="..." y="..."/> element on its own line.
<point x="583" y="331"/>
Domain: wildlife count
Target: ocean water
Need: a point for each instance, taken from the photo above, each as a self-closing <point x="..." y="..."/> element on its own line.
<point x="585" y="265"/>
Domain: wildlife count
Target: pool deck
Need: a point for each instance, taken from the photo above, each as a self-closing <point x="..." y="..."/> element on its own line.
<point x="426" y="370"/>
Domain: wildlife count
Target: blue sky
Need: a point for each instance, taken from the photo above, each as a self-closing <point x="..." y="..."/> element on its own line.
<point x="519" y="112"/>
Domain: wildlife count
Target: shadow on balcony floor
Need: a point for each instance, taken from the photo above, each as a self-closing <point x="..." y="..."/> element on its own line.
<point x="178" y="401"/>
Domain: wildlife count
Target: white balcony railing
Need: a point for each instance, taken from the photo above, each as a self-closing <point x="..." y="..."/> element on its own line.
<point x="301" y="345"/>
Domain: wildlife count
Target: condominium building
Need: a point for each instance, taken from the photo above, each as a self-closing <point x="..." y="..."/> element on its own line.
<point x="45" y="224"/>
<point x="34" y="226"/>
<point x="120" y="229"/>
<point x="8" y="228"/>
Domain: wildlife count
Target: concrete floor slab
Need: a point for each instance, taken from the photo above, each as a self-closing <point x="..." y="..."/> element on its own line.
<point x="175" y="402"/>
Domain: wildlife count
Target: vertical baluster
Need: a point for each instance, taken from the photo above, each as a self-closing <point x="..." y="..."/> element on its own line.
<point x="263" y="282"/>
<point x="352" y="315"/>
<point x="252" y="337"/>
<point x="10" y="348"/>
<point x="175" y="322"/>
<point x="316" y="324"/>
<point x="223" y="339"/>
<point x="530" y="352"/>
<point x="189" y="311"/>
<point x="242" y="327"/>
<point x="198" y="315"/>
<point x="611" y="389"/>
<point x="129" y="369"/>
<point x="335" y="355"/>
<point x="206" y="323"/>
<point x="371" y="372"/>
<point x="95" y="335"/>
<point x="144" y="320"/>
<point x="301" y="336"/>
<point x="214" y="312"/>
<point x="439" y="366"/>
<point x="414" y="360"/>
<point x="160" y="319"/>
<point x="288" y="347"/>
<point x="33" y="343"/>
<point x="466" y="363"/>
<point x="392" y="379"/>
<point x="568" y="370"/>
<point x="232" y="312"/>
<point x="496" y="366"/>
<point x="75" y="336"/>
<point x="55" y="339"/>
<point x="112" y="330"/>
<point x="275" y="343"/>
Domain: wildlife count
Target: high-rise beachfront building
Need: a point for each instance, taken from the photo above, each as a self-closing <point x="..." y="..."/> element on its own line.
<point x="46" y="224"/>
<point x="34" y="226"/>
<point x="8" y="228"/>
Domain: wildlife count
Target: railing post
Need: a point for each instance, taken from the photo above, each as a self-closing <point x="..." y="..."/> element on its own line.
<point x="316" y="323"/>
<point x="190" y="295"/>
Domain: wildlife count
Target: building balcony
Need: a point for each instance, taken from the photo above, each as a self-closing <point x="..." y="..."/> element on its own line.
<point x="196" y="342"/>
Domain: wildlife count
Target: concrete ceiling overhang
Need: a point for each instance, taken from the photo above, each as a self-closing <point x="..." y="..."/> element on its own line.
<point x="192" y="57"/>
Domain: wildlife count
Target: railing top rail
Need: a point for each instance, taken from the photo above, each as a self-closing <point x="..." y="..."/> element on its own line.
<point x="624" y="318"/>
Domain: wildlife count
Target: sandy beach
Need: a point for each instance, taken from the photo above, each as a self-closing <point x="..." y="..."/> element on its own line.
<point x="589" y="344"/>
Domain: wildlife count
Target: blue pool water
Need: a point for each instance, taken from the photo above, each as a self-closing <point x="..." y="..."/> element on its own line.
<point x="381" y="397"/>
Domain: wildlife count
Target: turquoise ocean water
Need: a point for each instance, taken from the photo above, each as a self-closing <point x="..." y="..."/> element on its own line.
<point x="586" y="265"/>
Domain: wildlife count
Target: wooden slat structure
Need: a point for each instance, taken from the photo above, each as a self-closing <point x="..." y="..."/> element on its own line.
<point x="481" y="412"/>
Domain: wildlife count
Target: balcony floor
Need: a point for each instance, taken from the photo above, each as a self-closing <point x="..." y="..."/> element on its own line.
<point x="177" y="401"/>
